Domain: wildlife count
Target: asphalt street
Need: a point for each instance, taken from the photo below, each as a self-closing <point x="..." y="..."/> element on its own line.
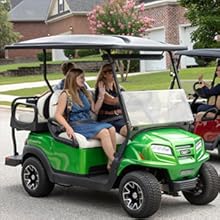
<point x="75" y="202"/>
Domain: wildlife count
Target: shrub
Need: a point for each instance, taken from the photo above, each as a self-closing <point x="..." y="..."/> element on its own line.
<point x="87" y="52"/>
<point x="40" y="56"/>
<point x="69" y="53"/>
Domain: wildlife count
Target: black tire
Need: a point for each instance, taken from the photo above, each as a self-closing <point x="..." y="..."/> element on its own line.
<point x="140" y="194"/>
<point x="207" y="187"/>
<point x="34" y="178"/>
<point x="218" y="147"/>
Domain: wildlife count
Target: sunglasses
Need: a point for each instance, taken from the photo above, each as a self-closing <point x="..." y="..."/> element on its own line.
<point x="107" y="71"/>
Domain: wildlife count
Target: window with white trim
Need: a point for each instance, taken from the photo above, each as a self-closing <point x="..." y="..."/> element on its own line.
<point x="60" y="6"/>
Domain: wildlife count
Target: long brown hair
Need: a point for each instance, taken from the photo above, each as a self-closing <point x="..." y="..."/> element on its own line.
<point x="101" y="74"/>
<point x="71" y="87"/>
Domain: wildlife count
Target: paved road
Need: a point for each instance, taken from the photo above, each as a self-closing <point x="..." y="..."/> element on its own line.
<point x="74" y="202"/>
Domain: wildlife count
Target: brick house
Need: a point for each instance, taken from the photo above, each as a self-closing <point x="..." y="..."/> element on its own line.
<point x="42" y="18"/>
<point x="49" y="17"/>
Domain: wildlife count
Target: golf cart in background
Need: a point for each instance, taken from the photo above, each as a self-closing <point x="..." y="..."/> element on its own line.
<point x="158" y="155"/>
<point x="209" y="125"/>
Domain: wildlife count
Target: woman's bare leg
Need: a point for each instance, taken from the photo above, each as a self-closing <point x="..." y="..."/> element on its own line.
<point x="106" y="142"/>
<point x="113" y="136"/>
<point x="123" y="131"/>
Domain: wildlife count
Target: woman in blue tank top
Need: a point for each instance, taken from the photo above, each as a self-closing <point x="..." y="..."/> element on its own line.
<point x="79" y="103"/>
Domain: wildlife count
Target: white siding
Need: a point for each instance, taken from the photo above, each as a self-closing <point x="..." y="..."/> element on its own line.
<point x="148" y="65"/>
<point x="185" y="39"/>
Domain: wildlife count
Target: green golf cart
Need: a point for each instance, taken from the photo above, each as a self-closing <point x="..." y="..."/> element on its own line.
<point x="158" y="156"/>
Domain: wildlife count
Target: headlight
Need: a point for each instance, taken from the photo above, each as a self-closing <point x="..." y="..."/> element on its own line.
<point x="161" y="149"/>
<point x="198" y="145"/>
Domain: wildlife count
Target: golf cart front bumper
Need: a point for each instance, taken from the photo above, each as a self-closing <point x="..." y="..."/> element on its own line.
<point x="13" y="160"/>
<point x="182" y="185"/>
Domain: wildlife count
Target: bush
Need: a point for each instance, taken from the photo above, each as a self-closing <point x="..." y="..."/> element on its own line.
<point x="40" y="56"/>
<point x="87" y="52"/>
<point x="69" y="53"/>
<point x="134" y="66"/>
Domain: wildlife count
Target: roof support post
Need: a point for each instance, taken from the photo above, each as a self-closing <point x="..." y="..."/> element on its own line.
<point x="45" y="69"/>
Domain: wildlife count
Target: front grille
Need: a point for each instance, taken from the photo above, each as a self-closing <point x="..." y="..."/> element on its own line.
<point x="185" y="150"/>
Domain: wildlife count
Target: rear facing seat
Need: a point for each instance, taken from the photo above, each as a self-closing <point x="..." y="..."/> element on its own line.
<point x="33" y="116"/>
<point x="82" y="141"/>
<point x="42" y="108"/>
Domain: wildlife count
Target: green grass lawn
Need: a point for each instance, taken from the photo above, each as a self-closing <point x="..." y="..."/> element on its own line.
<point x="160" y="80"/>
<point x="33" y="78"/>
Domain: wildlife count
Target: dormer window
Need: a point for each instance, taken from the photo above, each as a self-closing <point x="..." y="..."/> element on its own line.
<point x="60" y="6"/>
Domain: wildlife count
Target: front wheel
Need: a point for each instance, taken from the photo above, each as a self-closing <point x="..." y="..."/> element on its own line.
<point x="207" y="187"/>
<point x="34" y="178"/>
<point x="140" y="194"/>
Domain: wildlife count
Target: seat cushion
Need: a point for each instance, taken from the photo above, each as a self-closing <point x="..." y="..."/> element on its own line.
<point x="90" y="143"/>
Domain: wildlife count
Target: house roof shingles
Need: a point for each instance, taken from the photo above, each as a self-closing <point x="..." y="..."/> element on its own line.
<point x="15" y="3"/>
<point x="83" y="6"/>
<point x="30" y="10"/>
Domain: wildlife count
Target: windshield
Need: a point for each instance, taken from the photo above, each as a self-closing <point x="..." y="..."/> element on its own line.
<point x="157" y="107"/>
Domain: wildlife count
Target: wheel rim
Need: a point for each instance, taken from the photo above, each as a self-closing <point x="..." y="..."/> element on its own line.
<point x="132" y="195"/>
<point x="31" y="177"/>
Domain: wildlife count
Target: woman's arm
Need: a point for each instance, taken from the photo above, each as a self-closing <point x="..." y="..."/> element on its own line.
<point x="110" y="100"/>
<point x="61" y="106"/>
<point x="100" y="93"/>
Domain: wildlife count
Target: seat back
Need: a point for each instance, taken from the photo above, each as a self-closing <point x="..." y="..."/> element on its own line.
<point x="34" y="115"/>
<point x="43" y="106"/>
<point x="53" y="103"/>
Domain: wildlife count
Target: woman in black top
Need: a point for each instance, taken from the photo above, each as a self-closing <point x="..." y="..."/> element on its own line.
<point x="110" y="110"/>
<point x="207" y="92"/>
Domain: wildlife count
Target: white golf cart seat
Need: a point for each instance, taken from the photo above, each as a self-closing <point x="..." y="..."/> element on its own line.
<point x="29" y="116"/>
<point x="33" y="115"/>
<point x="82" y="141"/>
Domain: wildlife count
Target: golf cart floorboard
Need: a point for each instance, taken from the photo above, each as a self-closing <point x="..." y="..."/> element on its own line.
<point x="99" y="177"/>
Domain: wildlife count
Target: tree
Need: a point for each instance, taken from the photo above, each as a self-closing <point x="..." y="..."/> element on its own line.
<point x="123" y="17"/>
<point x="205" y="15"/>
<point x="7" y="35"/>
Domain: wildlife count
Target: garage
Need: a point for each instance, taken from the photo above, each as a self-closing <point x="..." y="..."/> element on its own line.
<point x="157" y="34"/>
<point x="185" y="39"/>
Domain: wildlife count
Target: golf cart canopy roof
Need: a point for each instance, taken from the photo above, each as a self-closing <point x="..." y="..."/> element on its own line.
<point x="207" y="52"/>
<point x="95" y="42"/>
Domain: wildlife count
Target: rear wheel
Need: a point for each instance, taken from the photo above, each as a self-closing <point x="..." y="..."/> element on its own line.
<point x="34" y="178"/>
<point x="218" y="147"/>
<point x="207" y="186"/>
<point x="140" y="194"/>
